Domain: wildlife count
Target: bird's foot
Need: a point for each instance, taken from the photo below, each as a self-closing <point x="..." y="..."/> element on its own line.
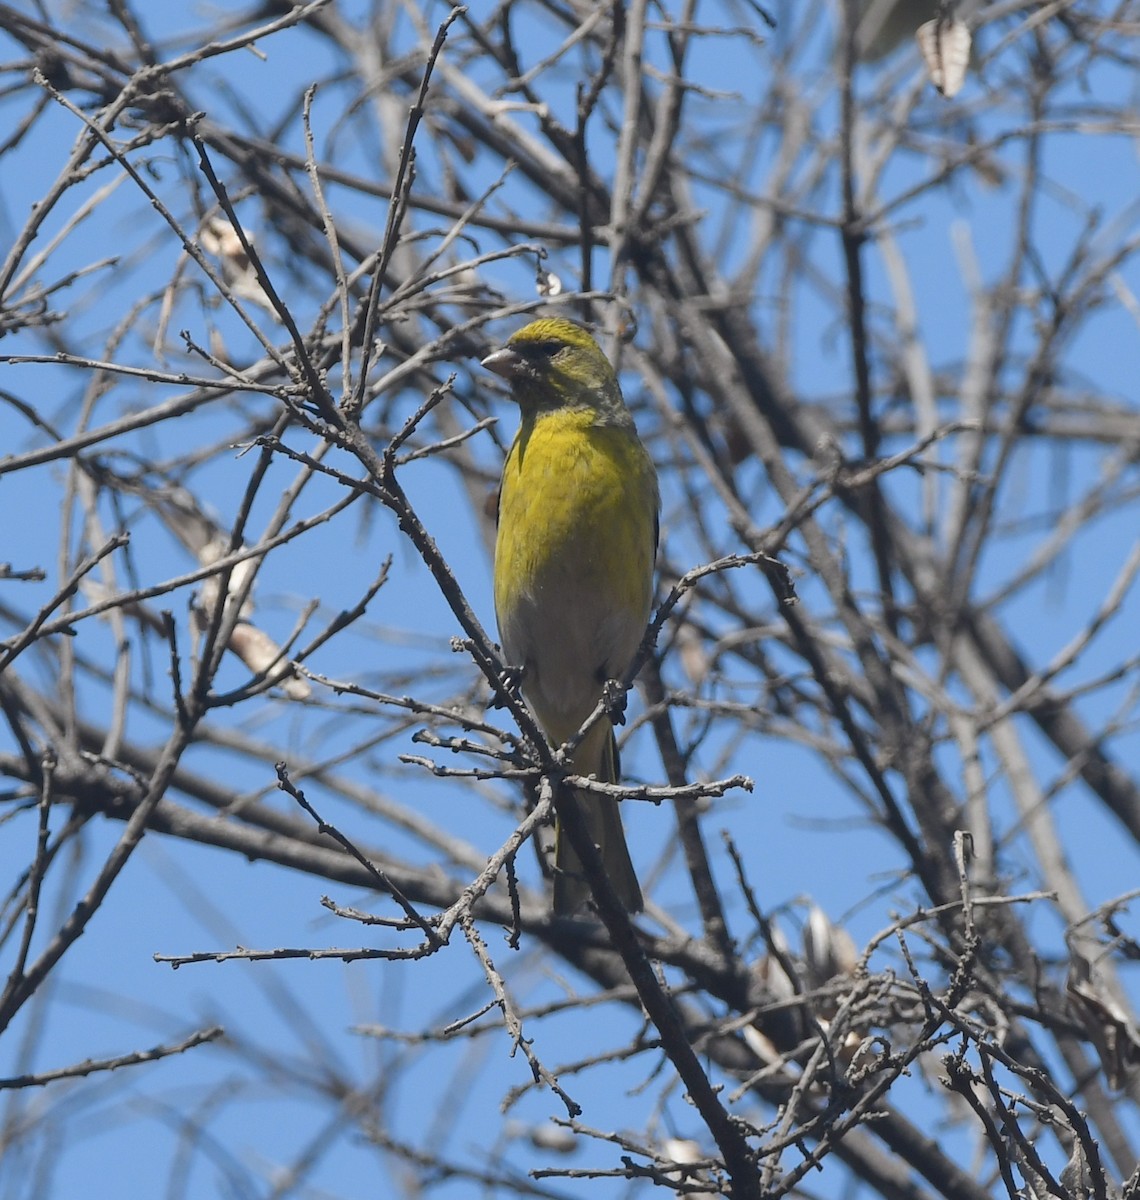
<point x="510" y="682"/>
<point x="614" y="699"/>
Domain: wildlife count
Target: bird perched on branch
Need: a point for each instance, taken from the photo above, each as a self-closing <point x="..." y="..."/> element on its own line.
<point x="574" y="558"/>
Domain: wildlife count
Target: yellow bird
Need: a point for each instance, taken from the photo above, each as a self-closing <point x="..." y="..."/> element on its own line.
<point x="574" y="560"/>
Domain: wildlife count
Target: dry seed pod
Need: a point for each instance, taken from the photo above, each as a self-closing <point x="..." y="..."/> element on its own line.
<point x="828" y="948"/>
<point x="219" y="238"/>
<point x="1109" y="1027"/>
<point x="252" y="645"/>
<point x="945" y="47"/>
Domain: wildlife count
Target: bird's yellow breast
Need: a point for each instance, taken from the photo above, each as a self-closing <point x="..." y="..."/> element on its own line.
<point x="574" y="557"/>
<point x="577" y="500"/>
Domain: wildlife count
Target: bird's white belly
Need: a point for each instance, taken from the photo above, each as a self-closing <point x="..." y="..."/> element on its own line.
<point x="569" y="641"/>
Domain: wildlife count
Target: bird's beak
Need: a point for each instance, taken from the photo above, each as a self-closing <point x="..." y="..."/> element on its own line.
<point x="505" y="362"/>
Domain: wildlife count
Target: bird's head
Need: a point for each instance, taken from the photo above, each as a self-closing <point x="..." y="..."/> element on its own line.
<point x="553" y="363"/>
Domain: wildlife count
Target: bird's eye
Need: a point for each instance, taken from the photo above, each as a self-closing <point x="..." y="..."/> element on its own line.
<point x="546" y="349"/>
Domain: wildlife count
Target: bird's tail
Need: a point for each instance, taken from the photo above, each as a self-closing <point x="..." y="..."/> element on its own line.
<point x="603" y="820"/>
